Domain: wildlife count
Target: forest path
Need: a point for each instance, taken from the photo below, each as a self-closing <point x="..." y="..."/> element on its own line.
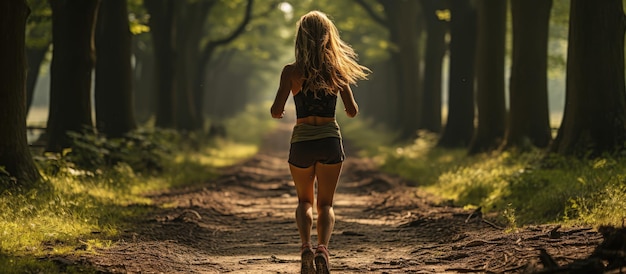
<point x="243" y="222"/>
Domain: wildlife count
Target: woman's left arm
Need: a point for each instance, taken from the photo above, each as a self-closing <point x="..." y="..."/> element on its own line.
<point x="352" y="109"/>
<point x="278" y="108"/>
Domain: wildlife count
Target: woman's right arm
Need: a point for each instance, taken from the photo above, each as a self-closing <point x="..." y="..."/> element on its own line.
<point x="278" y="108"/>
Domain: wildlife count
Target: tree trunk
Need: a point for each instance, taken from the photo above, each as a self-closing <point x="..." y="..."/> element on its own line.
<point x="435" y="50"/>
<point x="405" y="29"/>
<point x="73" y="24"/>
<point x="490" y="76"/>
<point x="144" y="81"/>
<point x="459" y="126"/>
<point x="15" y="155"/>
<point x="162" y="28"/>
<point x="192" y="16"/>
<point x="594" y="118"/>
<point x="113" y="89"/>
<point x="205" y="55"/>
<point x="529" y="118"/>
<point x="377" y="105"/>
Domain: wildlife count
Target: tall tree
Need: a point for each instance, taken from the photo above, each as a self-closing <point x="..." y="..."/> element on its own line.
<point x="73" y="24"/>
<point x="594" y="117"/>
<point x="205" y="55"/>
<point x="190" y="20"/>
<point x="162" y="23"/>
<point x="436" y="29"/>
<point x="405" y="29"/>
<point x="187" y="19"/>
<point x="459" y="127"/>
<point x="15" y="155"/>
<point x="529" y="118"/>
<point x="144" y="78"/>
<point x="113" y="83"/>
<point x="490" y="76"/>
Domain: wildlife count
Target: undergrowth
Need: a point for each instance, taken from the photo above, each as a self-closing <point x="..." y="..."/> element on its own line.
<point x="91" y="192"/>
<point x="522" y="188"/>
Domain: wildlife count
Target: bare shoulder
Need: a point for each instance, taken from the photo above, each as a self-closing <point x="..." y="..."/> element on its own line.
<point x="291" y="71"/>
<point x="292" y="74"/>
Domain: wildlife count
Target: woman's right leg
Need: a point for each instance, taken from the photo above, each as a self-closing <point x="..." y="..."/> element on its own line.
<point x="327" y="178"/>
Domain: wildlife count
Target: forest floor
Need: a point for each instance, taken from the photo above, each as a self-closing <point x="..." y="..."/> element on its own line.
<point x="243" y="222"/>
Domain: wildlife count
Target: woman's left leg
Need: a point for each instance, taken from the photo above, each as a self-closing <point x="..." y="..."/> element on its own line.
<point x="304" y="179"/>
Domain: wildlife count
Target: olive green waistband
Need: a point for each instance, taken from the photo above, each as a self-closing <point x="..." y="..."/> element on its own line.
<point x="306" y="132"/>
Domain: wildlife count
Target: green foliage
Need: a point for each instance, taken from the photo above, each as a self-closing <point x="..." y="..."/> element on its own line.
<point x="99" y="189"/>
<point x="39" y="24"/>
<point x="509" y="215"/>
<point x="137" y="17"/>
<point x="421" y="161"/>
<point x="589" y="191"/>
<point x="523" y="188"/>
<point x="225" y="16"/>
<point x="143" y="150"/>
<point x="14" y="265"/>
<point x="250" y="64"/>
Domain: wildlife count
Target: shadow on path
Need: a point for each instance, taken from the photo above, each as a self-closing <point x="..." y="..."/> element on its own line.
<point x="243" y="222"/>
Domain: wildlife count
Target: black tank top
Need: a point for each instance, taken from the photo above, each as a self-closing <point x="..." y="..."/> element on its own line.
<point x="307" y="104"/>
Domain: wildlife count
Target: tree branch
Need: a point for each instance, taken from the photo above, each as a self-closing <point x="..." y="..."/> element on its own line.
<point x="378" y="19"/>
<point x="238" y="30"/>
<point x="211" y="45"/>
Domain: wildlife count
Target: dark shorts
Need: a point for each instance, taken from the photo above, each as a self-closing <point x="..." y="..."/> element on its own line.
<point x="326" y="151"/>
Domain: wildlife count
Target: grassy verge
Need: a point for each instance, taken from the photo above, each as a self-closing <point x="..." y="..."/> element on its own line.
<point x="95" y="189"/>
<point x="523" y="188"/>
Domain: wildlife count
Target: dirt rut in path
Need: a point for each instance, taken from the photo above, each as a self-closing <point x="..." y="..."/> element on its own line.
<point x="243" y="222"/>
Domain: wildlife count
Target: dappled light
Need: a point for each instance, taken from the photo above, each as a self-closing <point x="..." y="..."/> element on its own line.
<point x="189" y="136"/>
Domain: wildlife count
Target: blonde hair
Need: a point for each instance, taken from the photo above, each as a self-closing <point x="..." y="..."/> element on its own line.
<point x="327" y="62"/>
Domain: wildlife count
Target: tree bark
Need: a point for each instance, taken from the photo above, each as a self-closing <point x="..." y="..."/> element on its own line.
<point x="113" y="87"/>
<point x="162" y="28"/>
<point x="73" y="24"/>
<point x="192" y="16"/>
<point x="490" y="76"/>
<point x="594" y="118"/>
<point x="405" y="29"/>
<point x="436" y="30"/>
<point x="459" y="127"/>
<point x="529" y="118"/>
<point x="15" y="155"/>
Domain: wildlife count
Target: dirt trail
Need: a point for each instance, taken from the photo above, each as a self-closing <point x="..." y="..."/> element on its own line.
<point x="243" y="223"/>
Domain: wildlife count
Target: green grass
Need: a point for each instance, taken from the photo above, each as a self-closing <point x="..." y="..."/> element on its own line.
<point x="522" y="188"/>
<point x="93" y="192"/>
<point x="101" y="185"/>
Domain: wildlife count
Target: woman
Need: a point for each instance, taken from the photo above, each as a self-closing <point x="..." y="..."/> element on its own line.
<point x="325" y="67"/>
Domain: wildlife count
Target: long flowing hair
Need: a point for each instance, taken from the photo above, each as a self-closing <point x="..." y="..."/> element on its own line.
<point x="327" y="62"/>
